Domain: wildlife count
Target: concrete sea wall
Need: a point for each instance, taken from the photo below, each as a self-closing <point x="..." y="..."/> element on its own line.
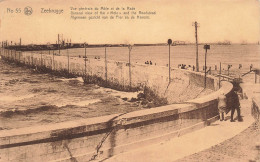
<point x="102" y="137"/>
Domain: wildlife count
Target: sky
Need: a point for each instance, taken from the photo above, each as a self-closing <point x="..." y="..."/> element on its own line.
<point x="219" y="20"/>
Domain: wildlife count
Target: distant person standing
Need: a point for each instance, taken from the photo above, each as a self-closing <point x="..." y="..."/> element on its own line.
<point x="189" y="68"/>
<point x="222" y="104"/>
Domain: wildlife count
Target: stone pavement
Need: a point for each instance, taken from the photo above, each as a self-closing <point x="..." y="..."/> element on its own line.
<point x="190" y="143"/>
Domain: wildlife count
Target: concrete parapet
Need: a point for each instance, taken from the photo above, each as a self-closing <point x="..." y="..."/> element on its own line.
<point x="102" y="137"/>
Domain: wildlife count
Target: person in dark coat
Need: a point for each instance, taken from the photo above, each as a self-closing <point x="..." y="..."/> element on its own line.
<point x="235" y="105"/>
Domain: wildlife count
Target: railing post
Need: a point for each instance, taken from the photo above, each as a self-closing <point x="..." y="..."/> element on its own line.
<point x="129" y="59"/>
<point x="68" y="62"/>
<point x="106" y="64"/>
<point x="85" y="59"/>
<point x="53" y="65"/>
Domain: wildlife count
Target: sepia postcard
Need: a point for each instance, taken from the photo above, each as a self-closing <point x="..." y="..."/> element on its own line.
<point x="128" y="80"/>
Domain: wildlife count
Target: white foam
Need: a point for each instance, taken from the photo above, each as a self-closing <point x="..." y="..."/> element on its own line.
<point x="80" y="79"/>
<point x="15" y="98"/>
<point x="120" y="94"/>
<point x="80" y="103"/>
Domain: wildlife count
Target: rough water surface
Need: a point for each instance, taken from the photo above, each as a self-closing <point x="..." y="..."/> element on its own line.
<point x="28" y="98"/>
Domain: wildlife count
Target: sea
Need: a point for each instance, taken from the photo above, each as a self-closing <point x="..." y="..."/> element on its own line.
<point x="246" y="55"/>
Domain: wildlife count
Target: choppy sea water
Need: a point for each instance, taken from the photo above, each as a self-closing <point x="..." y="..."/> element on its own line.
<point x="30" y="98"/>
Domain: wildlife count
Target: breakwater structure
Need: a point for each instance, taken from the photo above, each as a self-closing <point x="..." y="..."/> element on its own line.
<point x="117" y="75"/>
<point x="101" y="137"/>
<point x="35" y="47"/>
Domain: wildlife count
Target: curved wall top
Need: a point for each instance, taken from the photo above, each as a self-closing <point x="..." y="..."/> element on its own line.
<point x="97" y="123"/>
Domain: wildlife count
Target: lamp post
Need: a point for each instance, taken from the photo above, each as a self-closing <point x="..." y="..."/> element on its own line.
<point x="129" y="57"/>
<point x="206" y="47"/>
<point x="169" y="43"/>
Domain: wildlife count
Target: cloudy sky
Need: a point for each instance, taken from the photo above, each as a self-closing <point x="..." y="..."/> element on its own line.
<point x="219" y="20"/>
